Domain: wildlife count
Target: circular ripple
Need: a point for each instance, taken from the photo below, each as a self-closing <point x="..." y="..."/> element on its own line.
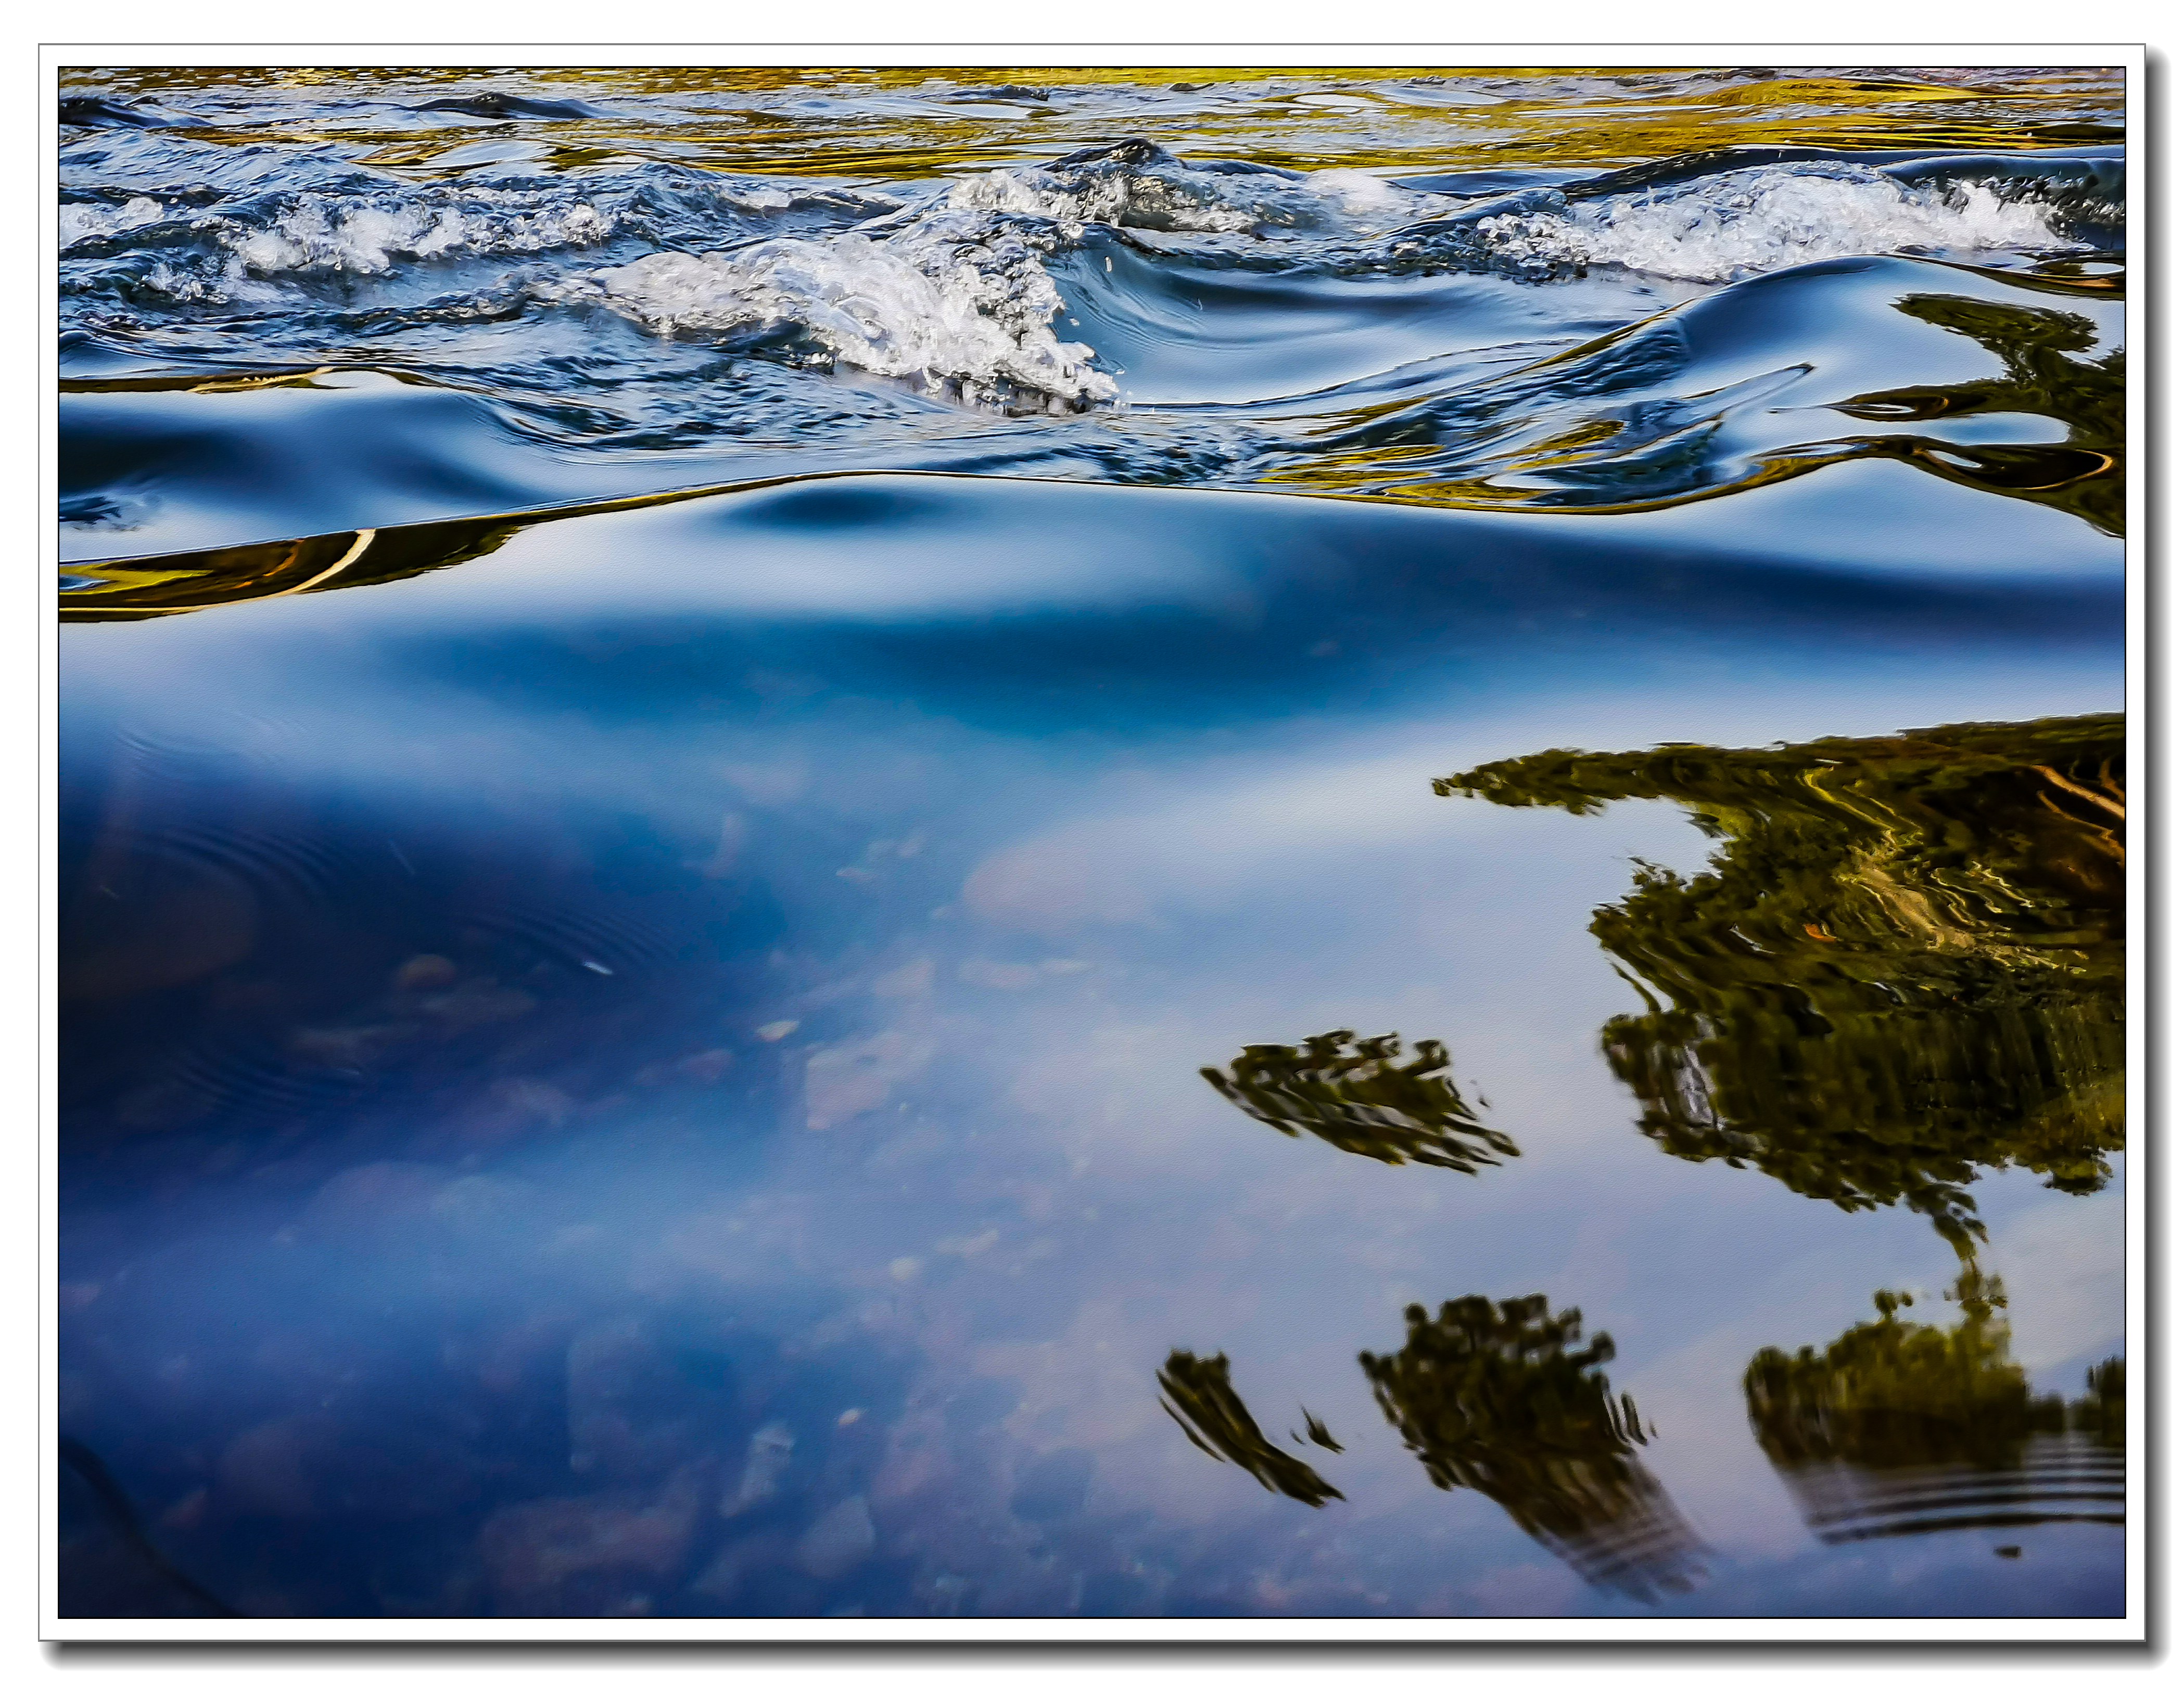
<point x="607" y="942"/>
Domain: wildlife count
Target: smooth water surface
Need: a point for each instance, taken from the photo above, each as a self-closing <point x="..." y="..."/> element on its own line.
<point x="808" y="864"/>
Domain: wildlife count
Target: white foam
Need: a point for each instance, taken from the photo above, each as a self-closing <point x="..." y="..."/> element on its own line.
<point x="322" y="233"/>
<point x="959" y="317"/>
<point x="1748" y="221"/>
<point x="1362" y="196"/>
<point x="79" y="223"/>
<point x="1156" y="192"/>
<point x="181" y="286"/>
<point x="761" y="199"/>
<point x="1120" y="199"/>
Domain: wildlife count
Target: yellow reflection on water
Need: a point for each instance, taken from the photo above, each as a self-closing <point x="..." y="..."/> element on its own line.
<point x="915" y="121"/>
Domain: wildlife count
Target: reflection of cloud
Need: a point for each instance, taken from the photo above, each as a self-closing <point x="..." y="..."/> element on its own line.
<point x="838" y="1540"/>
<point x="1524" y="1588"/>
<point x="769" y="785"/>
<point x="735" y="831"/>
<point x="1215" y="841"/>
<point x="2065" y="1263"/>
<point x="591" y="1554"/>
<point x="1053" y="884"/>
<point x="906" y="982"/>
<point x="1273" y="1259"/>
<point x="989" y="973"/>
<point x="1081" y="1387"/>
<point x="852" y="1078"/>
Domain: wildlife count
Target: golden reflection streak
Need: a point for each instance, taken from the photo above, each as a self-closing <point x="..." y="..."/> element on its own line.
<point x="363" y="537"/>
<point x="1627" y="115"/>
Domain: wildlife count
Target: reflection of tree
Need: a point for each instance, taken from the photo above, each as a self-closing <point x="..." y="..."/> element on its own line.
<point x="141" y="587"/>
<point x="1895" y="1395"/>
<point x="2040" y="377"/>
<point x="1360" y="1096"/>
<point x="1594" y="429"/>
<point x="1903" y="1427"/>
<point x="2100" y="1411"/>
<point x="1508" y="1400"/>
<point x="1904" y="962"/>
<point x="1213" y="1418"/>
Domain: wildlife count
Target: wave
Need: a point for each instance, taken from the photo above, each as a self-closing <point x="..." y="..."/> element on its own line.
<point x="952" y="295"/>
<point x="355" y="234"/>
<point x="1752" y="384"/>
<point x="2004" y="385"/>
<point x="1752" y="221"/>
<point x="86" y="222"/>
<point x="1136" y="185"/>
<point x="367" y="239"/>
<point x="963" y="318"/>
<point x="1118" y="313"/>
<point x="91" y="111"/>
<point x="497" y="107"/>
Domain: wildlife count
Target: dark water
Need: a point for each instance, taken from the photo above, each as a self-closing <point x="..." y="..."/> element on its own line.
<point x="748" y="929"/>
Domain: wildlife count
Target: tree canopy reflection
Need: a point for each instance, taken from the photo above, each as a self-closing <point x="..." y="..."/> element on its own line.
<point x="1889" y="1394"/>
<point x="1904" y="962"/>
<point x="1363" y="1097"/>
<point x="1509" y="1399"/>
<point x="2043" y="376"/>
<point x="1906" y="1427"/>
<point x="1510" y="441"/>
<point x="1199" y="1396"/>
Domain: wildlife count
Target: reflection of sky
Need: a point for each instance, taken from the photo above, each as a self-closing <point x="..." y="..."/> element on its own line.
<point x="1050" y="828"/>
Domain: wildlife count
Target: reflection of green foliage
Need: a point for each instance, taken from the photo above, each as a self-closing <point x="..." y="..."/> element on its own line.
<point x="2101" y="1410"/>
<point x="172" y="585"/>
<point x="1509" y="1400"/>
<point x="1512" y="442"/>
<point x="1900" y="1427"/>
<point x="1893" y="1394"/>
<point x="2041" y="377"/>
<point x="1357" y="1095"/>
<point x="1213" y="1418"/>
<point x="132" y="590"/>
<point x="1905" y="961"/>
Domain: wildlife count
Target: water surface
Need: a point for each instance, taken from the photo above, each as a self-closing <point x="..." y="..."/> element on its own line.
<point x="890" y="844"/>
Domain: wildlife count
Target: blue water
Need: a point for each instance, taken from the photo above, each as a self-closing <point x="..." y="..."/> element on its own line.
<point x="647" y="1061"/>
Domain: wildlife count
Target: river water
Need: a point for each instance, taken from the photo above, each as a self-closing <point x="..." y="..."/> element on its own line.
<point x="810" y="862"/>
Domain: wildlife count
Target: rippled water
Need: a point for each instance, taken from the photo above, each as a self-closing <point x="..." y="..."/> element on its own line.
<point x="810" y="862"/>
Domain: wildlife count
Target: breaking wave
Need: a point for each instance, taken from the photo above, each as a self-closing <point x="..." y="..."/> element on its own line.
<point x="1750" y="221"/>
<point x="951" y="295"/>
<point x="1136" y="185"/>
<point x="1118" y="313"/>
<point x="370" y="239"/>
<point x="949" y="289"/>
<point x="964" y="317"/>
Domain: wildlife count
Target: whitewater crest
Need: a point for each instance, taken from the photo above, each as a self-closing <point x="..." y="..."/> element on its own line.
<point x="367" y="238"/>
<point x="1137" y="184"/>
<point x="189" y="254"/>
<point x="193" y="249"/>
<point x="951" y="295"/>
<point x="958" y="306"/>
<point x="80" y="223"/>
<point x="1745" y="222"/>
<point x="954" y="289"/>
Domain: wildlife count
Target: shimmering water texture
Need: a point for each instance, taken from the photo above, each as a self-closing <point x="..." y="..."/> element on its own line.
<point x="1157" y="843"/>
